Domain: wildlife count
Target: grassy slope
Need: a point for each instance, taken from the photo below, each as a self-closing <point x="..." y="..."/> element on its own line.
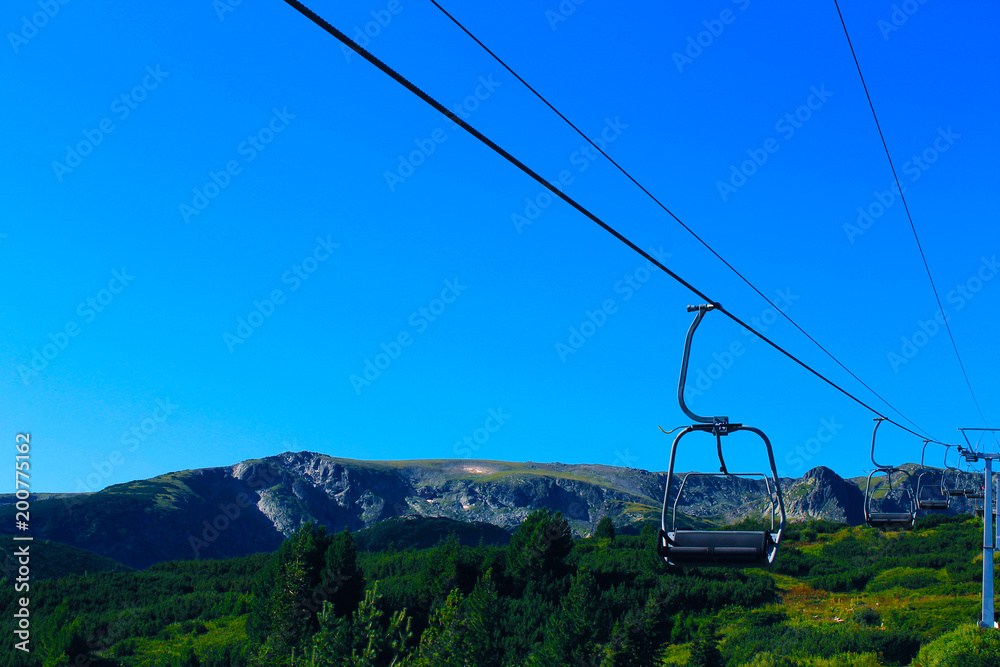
<point x="177" y="640"/>
<point x="931" y="610"/>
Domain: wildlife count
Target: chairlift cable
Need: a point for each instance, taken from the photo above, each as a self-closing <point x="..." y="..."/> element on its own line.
<point x="347" y="41"/>
<point x="909" y="217"/>
<point x="671" y="213"/>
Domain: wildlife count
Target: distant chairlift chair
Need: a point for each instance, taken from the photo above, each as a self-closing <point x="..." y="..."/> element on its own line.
<point x="716" y="548"/>
<point x="931" y="496"/>
<point x="976" y="492"/>
<point x="957" y="490"/>
<point x="979" y="493"/>
<point x="886" y="519"/>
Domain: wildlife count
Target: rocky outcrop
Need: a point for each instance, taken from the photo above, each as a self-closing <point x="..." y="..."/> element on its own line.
<point x="823" y="494"/>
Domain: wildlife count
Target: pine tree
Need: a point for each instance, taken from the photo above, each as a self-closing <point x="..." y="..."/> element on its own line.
<point x="445" y="641"/>
<point x="636" y="639"/>
<point x="286" y="614"/>
<point x="332" y="640"/>
<point x="572" y="631"/>
<point x="484" y="609"/>
<point x="605" y="529"/>
<point x="705" y="651"/>
<point x="343" y="582"/>
<point x="377" y="645"/>
<point x="308" y="547"/>
<point x="464" y="632"/>
<point x="539" y="545"/>
<point x="60" y="638"/>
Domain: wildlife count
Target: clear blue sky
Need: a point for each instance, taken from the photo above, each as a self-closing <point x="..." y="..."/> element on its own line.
<point x="122" y="117"/>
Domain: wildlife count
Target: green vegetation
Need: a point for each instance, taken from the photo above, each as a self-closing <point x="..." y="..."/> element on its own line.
<point x="53" y="559"/>
<point x="937" y="557"/>
<point x="965" y="647"/>
<point x="838" y="597"/>
<point x="423" y="532"/>
<point x="605" y="529"/>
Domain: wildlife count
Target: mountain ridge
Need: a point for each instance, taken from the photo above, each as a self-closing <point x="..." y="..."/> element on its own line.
<point x="251" y="506"/>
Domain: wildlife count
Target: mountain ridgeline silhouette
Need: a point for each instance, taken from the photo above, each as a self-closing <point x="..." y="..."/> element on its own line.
<point x="252" y="506"/>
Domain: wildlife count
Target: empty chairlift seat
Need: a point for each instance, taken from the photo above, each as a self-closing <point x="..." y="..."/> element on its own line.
<point x="931" y="491"/>
<point x="879" y="519"/>
<point x="727" y="548"/>
<point x="958" y="490"/>
<point x="882" y="519"/>
<point x="936" y="504"/>
<point x="977" y="492"/>
<point x="720" y="548"/>
<point x="890" y="520"/>
<point x="717" y="547"/>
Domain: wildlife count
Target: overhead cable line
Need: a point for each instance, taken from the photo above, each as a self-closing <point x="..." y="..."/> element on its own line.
<point x="361" y="51"/>
<point x="671" y="213"/>
<point x="909" y="217"/>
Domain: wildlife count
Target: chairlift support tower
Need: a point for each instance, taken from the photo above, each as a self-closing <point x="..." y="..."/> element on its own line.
<point x="989" y="535"/>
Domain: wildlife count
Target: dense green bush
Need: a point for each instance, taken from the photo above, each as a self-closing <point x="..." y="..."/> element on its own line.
<point x="969" y="646"/>
<point x="867" y="617"/>
<point x="903" y="577"/>
<point x="895" y="647"/>
<point x="793" y="562"/>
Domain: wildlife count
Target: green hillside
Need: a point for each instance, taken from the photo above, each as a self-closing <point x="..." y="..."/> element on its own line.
<point x="50" y="560"/>
<point x="838" y="597"/>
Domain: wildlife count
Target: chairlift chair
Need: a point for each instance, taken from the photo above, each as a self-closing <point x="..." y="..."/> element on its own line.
<point x="931" y="496"/>
<point x="977" y="492"/>
<point x="979" y="509"/>
<point x="957" y="490"/>
<point x="719" y="548"/>
<point x="887" y="519"/>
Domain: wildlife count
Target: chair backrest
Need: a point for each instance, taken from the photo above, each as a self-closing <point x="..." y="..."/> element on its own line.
<point x="687" y="475"/>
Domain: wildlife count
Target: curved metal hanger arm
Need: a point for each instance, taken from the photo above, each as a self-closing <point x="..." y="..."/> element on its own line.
<point x="878" y="422"/>
<point x="721" y="421"/>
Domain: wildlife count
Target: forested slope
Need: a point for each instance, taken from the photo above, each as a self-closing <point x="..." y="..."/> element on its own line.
<point x="837" y="596"/>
